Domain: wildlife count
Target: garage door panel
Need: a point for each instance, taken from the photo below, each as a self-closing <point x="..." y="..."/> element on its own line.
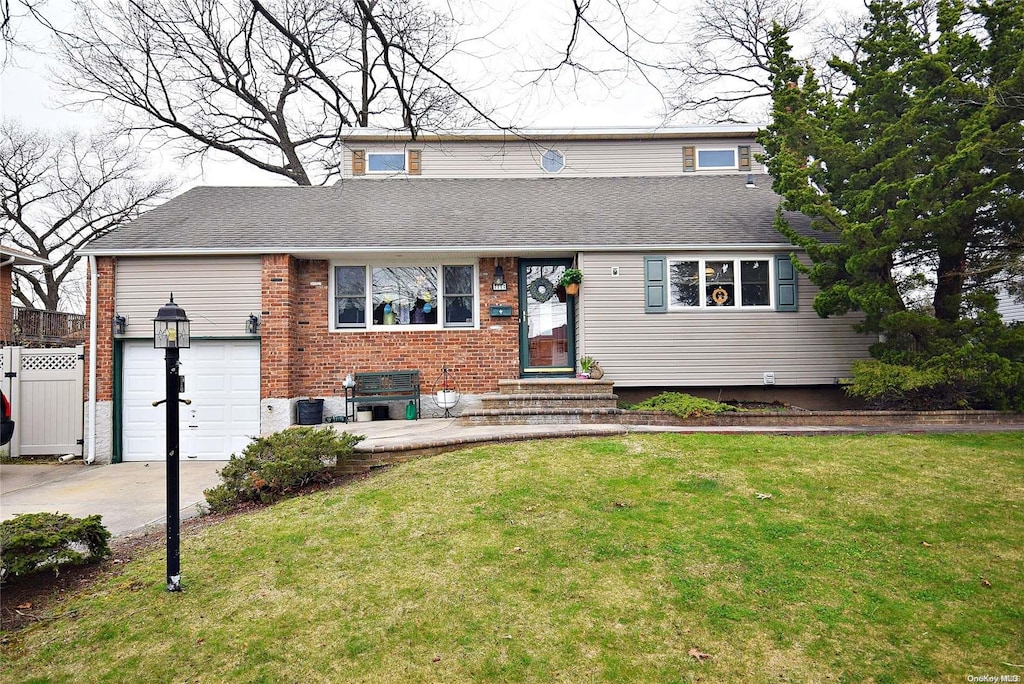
<point x="246" y="414"/>
<point x="245" y="383"/>
<point x="207" y="382"/>
<point x="221" y="380"/>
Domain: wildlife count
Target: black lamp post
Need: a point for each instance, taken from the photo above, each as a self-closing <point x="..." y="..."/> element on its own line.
<point x="171" y="333"/>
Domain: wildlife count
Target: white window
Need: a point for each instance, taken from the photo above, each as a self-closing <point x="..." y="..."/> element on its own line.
<point x="717" y="158"/>
<point x="385" y="162"/>
<point x="552" y="161"/>
<point x="726" y="283"/>
<point x="350" y="297"/>
<point x="422" y="296"/>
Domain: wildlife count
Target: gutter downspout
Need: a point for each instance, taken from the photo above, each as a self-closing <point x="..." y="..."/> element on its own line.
<point x="8" y="262"/>
<point x="93" y="300"/>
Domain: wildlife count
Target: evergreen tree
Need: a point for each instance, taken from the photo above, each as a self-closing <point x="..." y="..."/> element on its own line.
<point x="915" y="179"/>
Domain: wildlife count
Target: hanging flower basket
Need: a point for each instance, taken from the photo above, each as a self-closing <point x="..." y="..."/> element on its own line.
<point x="570" y="280"/>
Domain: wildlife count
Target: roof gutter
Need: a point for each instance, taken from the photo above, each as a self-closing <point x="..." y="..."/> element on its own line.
<point x="476" y="249"/>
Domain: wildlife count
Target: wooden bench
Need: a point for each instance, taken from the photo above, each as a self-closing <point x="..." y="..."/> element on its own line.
<point x="385" y="386"/>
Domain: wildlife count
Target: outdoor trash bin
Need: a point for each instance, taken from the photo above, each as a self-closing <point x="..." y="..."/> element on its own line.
<point x="309" y="411"/>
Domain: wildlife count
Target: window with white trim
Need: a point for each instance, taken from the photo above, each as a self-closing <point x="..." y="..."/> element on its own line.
<point x="552" y="161"/>
<point x="421" y="296"/>
<point x="724" y="158"/>
<point x="350" y="297"/>
<point x="720" y="283"/>
<point x="385" y="162"/>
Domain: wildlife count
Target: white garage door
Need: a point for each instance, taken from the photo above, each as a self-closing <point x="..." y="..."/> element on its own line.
<point x="223" y="381"/>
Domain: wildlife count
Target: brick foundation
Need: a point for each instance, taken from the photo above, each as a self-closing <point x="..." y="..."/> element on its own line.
<point x="301" y="356"/>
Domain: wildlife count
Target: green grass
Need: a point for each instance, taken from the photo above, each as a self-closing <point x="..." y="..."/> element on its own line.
<point x="590" y="560"/>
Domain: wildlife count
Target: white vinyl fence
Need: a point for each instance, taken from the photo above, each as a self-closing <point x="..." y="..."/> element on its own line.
<point x="45" y="389"/>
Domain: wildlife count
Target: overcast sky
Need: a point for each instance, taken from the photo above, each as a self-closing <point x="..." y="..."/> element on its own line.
<point x="518" y="33"/>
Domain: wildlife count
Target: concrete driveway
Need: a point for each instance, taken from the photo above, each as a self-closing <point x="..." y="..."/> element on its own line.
<point x="129" y="496"/>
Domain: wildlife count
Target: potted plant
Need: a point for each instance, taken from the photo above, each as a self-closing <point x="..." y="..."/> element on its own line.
<point x="570" y="280"/>
<point x="585" y="363"/>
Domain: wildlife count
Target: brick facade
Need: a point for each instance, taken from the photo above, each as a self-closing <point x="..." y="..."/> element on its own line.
<point x="301" y="356"/>
<point x="105" y="269"/>
<point x="6" y="311"/>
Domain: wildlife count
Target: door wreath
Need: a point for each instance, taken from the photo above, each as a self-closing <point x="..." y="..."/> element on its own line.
<point x="720" y="296"/>
<point x="541" y="289"/>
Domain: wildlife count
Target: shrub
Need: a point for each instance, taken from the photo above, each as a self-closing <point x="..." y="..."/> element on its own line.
<point x="895" y="386"/>
<point x="967" y="377"/>
<point x="35" y="541"/>
<point x="270" y="467"/>
<point x="683" y="405"/>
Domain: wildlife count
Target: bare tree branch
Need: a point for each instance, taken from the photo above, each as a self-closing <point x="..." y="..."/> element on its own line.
<point x="275" y="83"/>
<point x="724" y="70"/>
<point x="59" y="192"/>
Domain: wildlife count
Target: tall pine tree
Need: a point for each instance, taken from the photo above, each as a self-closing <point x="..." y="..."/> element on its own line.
<point x="915" y="178"/>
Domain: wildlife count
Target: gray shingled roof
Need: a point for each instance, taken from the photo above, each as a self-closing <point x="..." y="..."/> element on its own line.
<point x="453" y="214"/>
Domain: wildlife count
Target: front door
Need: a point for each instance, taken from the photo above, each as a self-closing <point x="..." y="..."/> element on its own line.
<point x="547" y="330"/>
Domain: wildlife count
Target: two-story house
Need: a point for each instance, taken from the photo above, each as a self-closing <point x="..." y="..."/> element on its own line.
<point x="446" y="251"/>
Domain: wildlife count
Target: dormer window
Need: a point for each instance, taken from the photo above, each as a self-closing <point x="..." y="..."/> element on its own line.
<point x="716" y="159"/>
<point x="385" y="162"/>
<point x="552" y="161"/>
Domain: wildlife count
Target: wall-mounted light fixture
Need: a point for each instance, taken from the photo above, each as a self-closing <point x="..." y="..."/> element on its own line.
<point x="750" y="181"/>
<point x="499" y="277"/>
<point x="252" y="324"/>
<point x="120" y="324"/>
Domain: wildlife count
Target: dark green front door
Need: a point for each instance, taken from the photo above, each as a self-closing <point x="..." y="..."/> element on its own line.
<point x="547" y="320"/>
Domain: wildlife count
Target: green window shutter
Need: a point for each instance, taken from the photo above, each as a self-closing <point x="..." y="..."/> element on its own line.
<point x="785" y="284"/>
<point x="655" y="285"/>
<point x="689" y="158"/>
<point x="744" y="158"/>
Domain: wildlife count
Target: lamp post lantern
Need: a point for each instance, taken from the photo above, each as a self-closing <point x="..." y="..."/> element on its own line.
<point x="171" y="333"/>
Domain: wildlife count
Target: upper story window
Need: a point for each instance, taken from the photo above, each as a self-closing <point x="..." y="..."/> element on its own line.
<point x="385" y="162"/>
<point x="404" y="296"/>
<point x="719" y="283"/>
<point x="716" y="159"/>
<point x="552" y="161"/>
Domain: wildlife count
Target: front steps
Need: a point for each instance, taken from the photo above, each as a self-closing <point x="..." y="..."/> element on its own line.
<point x="546" y="401"/>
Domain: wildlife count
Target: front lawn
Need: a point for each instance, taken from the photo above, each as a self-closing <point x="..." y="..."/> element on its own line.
<point x="876" y="558"/>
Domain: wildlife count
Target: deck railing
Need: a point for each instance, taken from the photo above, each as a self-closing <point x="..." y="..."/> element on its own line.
<point x="47" y="327"/>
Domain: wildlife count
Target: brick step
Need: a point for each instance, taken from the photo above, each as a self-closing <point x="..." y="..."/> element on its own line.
<point x="539" y="416"/>
<point x="555" y="386"/>
<point x="543" y="400"/>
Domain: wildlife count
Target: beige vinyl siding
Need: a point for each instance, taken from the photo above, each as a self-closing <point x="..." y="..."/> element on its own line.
<point x="217" y="293"/>
<point x="706" y="348"/>
<point x="582" y="157"/>
<point x="1009" y="308"/>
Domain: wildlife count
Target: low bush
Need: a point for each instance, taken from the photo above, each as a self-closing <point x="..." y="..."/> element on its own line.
<point x="38" y="541"/>
<point x="961" y="379"/>
<point x="895" y="386"/>
<point x="270" y="467"/>
<point x="683" y="405"/>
